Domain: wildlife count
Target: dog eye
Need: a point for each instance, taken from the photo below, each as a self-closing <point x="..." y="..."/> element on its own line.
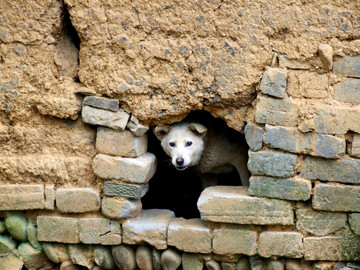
<point x="188" y="143"/>
<point x="172" y="144"/>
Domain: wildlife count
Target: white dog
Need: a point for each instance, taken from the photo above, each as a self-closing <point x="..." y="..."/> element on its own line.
<point x="207" y="149"/>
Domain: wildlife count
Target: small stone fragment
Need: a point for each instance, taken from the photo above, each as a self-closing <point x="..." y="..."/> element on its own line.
<point x="68" y="266"/>
<point x="254" y="137"/>
<point x="102" y="103"/>
<point x="56" y="253"/>
<point x="213" y="265"/>
<point x="274" y="265"/>
<point x="124" y="257"/>
<point x="81" y="255"/>
<point x="103" y="257"/>
<point x="170" y="259"/>
<point x="293" y="265"/>
<point x="16" y="224"/>
<point x="2" y="226"/>
<point x="273" y="82"/>
<point x="144" y="258"/>
<point x="191" y="261"/>
<point x="120" y="208"/>
<point x="49" y="197"/>
<point x="7" y="244"/>
<point x="32" y="234"/>
<point x="243" y="264"/>
<point x="227" y="266"/>
<point x="137" y="128"/>
<point x="354" y="221"/>
<point x="156" y="259"/>
<point x="257" y="263"/>
<point x="326" y="55"/>
<point x="32" y="258"/>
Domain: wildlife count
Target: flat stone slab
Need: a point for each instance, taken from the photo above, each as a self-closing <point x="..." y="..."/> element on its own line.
<point x="125" y="190"/>
<point x="77" y="200"/>
<point x="102" y="103"/>
<point x="284" y="244"/>
<point x="58" y="229"/>
<point x="132" y="170"/>
<point x="273" y="82"/>
<point x="99" y="231"/>
<point x="190" y="235"/>
<point x="230" y="204"/>
<point x="149" y="227"/>
<point x="22" y="197"/>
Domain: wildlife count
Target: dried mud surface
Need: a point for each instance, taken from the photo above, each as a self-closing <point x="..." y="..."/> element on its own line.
<point x="162" y="59"/>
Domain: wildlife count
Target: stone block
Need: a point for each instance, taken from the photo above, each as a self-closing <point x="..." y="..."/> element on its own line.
<point x="49" y="197"/>
<point x="56" y="253"/>
<point x="326" y="56"/>
<point x="319" y="223"/>
<point x="347" y="66"/>
<point x="136" y="127"/>
<point x="272" y="163"/>
<point x="102" y="103"/>
<point x="132" y="170"/>
<point x="95" y="116"/>
<point x="232" y="240"/>
<point x="21" y="197"/>
<point x="234" y="205"/>
<point x="336" y="198"/>
<point x="355" y="146"/>
<point x="284" y="62"/>
<point x="354" y="221"/>
<point x="99" y="231"/>
<point x="190" y="235"/>
<point x="348" y="90"/>
<point x="81" y="255"/>
<point x="149" y="227"/>
<point x="290" y="139"/>
<point x="273" y="82"/>
<point x="254" y="137"/>
<point x="58" y="229"/>
<point x="125" y="190"/>
<point x="77" y="200"/>
<point x="120" y="142"/>
<point x="343" y="170"/>
<point x="331" y="248"/>
<point x="295" y="189"/>
<point x="284" y="244"/>
<point x="277" y="112"/>
<point x="306" y="84"/>
<point x="120" y="208"/>
<point x="336" y="120"/>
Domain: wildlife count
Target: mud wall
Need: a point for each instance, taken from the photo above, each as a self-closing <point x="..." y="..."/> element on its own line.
<point x="286" y="74"/>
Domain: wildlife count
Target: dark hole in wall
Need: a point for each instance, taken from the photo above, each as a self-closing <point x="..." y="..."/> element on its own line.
<point x="180" y="190"/>
<point x="69" y="29"/>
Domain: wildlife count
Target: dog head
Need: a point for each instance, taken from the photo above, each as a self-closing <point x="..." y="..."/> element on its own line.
<point x="182" y="142"/>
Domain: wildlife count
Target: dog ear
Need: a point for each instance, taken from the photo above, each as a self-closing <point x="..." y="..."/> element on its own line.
<point x="198" y="129"/>
<point x="161" y="131"/>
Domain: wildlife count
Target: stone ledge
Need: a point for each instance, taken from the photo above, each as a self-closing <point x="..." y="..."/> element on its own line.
<point x="22" y="197"/>
<point x="234" y="205"/>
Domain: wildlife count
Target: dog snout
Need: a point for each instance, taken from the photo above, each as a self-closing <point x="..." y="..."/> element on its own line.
<point x="179" y="161"/>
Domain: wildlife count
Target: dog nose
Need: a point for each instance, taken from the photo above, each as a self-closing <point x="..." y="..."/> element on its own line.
<point x="180" y="161"/>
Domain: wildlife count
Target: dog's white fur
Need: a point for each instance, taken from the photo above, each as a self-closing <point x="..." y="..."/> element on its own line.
<point x="208" y="150"/>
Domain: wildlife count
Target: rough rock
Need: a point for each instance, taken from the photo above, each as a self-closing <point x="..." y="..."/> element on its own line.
<point x="143" y="258"/>
<point x="56" y="252"/>
<point x="254" y="136"/>
<point x="326" y="55"/>
<point x="170" y="259"/>
<point x="120" y="208"/>
<point x="285" y="244"/>
<point x="99" y="231"/>
<point x="124" y="257"/>
<point x="32" y="258"/>
<point x="11" y="262"/>
<point x="102" y="103"/>
<point x="103" y="257"/>
<point x="16" y="224"/>
<point x="191" y="261"/>
<point x="77" y="200"/>
<point x="81" y="255"/>
<point x="273" y="82"/>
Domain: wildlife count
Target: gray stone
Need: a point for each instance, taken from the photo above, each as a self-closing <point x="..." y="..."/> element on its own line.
<point x="2" y="226"/>
<point x="319" y="222"/>
<point x="95" y="116"/>
<point x="275" y="265"/>
<point x="347" y="66"/>
<point x="191" y="262"/>
<point x="284" y="62"/>
<point x="156" y="259"/>
<point x="292" y="264"/>
<point x="58" y="229"/>
<point x="273" y="82"/>
<point x="7" y="244"/>
<point x="227" y="266"/>
<point x="234" y="205"/>
<point x="348" y="90"/>
<point x="120" y="208"/>
<point x="102" y="103"/>
<point x="132" y="170"/>
<point x="170" y="259"/>
<point x="124" y="257"/>
<point x="136" y="127"/>
<point x="295" y="189"/>
<point x="11" y="262"/>
<point x="103" y="257"/>
<point x="125" y="190"/>
<point x="330" y="248"/>
<point x="343" y="171"/>
<point x="77" y="200"/>
<point x="257" y="263"/>
<point x="81" y="255"/>
<point x="21" y="197"/>
<point x="149" y="227"/>
<point x="272" y="163"/>
<point x="290" y="139"/>
<point x="143" y="258"/>
<point x="56" y="253"/>
<point x="254" y="136"/>
<point x="16" y="224"/>
<point x="336" y="198"/>
<point x="32" y="234"/>
<point x="354" y="221"/>
<point x="32" y="258"/>
<point x="284" y="244"/>
<point x="49" y="193"/>
<point x="234" y="240"/>
<point x="68" y="266"/>
<point x="99" y="231"/>
<point x="326" y="56"/>
<point x="213" y="265"/>
<point x="243" y="264"/>
<point x="355" y="146"/>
